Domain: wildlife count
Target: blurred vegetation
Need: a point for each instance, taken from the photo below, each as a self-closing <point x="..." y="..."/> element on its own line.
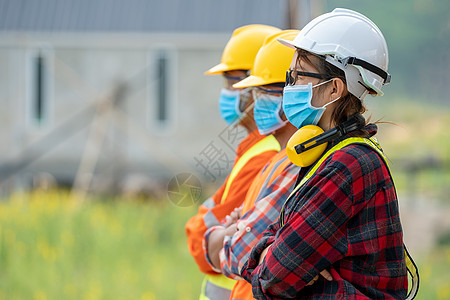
<point x="434" y="275"/>
<point x="416" y="139"/>
<point x="54" y="248"/>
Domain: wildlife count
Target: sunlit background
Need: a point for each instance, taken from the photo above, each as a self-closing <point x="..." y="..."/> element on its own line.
<point x="104" y="101"/>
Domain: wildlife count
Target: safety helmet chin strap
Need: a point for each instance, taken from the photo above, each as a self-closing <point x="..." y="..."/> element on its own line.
<point x="366" y="65"/>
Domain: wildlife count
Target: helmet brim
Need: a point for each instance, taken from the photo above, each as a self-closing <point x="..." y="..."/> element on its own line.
<point x="218" y="69"/>
<point x="288" y="43"/>
<point x="252" y="81"/>
<point x="249" y="82"/>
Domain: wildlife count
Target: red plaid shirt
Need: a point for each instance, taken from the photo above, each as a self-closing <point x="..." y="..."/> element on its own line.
<point x="345" y="219"/>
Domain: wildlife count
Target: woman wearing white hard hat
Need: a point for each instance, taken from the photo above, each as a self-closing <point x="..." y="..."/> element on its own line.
<point x="343" y="215"/>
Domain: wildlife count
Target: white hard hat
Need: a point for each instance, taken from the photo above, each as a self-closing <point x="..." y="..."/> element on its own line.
<point x="351" y="42"/>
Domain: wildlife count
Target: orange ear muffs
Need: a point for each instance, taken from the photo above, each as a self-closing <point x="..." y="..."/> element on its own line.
<point x="308" y="157"/>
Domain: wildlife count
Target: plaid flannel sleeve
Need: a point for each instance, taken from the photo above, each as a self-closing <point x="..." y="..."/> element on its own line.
<point x="314" y="236"/>
<point x="252" y="225"/>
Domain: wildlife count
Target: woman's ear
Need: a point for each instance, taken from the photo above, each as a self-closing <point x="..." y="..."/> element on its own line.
<point x="339" y="89"/>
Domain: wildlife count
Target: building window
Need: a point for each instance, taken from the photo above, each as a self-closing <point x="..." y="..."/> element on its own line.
<point x="161" y="78"/>
<point x="161" y="88"/>
<point x="39" y="88"/>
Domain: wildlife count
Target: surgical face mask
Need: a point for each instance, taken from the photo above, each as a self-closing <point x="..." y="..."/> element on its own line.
<point x="233" y="103"/>
<point x="229" y="105"/>
<point x="267" y="112"/>
<point x="297" y="105"/>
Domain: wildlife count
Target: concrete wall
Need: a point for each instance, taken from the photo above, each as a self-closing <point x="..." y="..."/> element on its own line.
<point x="86" y="69"/>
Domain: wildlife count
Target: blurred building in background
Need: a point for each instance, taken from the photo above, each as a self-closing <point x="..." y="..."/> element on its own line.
<point x="107" y="92"/>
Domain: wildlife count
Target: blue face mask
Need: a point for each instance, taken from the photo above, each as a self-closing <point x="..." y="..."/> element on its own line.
<point x="297" y="105"/>
<point x="267" y="112"/>
<point x="229" y="105"/>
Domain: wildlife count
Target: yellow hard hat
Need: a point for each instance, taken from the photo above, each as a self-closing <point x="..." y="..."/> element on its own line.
<point x="308" y="157"/>
<point x="272" y="61"/>
<point x="241" y="49"/>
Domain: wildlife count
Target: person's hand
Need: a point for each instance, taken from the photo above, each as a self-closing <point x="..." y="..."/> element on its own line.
<point x="263" y="254"/>
<point x="230" y="230"/>
<point x="234" y="216"/>
<point x="325" y="274"/>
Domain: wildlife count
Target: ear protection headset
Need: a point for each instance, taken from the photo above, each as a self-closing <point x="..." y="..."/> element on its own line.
<point x="309" y="142"/>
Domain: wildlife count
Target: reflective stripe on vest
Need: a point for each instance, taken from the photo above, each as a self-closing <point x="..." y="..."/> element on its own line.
<point x="372" y="143"/>
<point x="269" y="143"/>
<point x="276" y="166"/>
<point x="414" y="273"/>
<point x="216" y="287"/>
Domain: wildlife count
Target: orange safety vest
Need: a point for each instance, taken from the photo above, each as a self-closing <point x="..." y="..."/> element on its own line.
<point x="242" y="289"/>
<point x="276" y="166"/>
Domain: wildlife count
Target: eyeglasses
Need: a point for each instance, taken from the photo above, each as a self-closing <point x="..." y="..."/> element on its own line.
<point x="245" y="98"/>
<point x="269" y="90"/>
<point x="292" y="76"/>
<point x="230" y="80"/>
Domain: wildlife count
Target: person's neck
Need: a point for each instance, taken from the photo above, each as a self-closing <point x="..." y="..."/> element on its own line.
<point x="249" y="125"/>
<point x="325" y="122"/>
<point x="284" y="134"/>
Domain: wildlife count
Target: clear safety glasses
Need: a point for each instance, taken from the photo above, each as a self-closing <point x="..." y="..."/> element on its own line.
<point x="230" y="80"/>
<point x="245" y="98"/>
<point x="269" y="98"/>
<point x="259" y="91"/>
<point x="293" y="75"/>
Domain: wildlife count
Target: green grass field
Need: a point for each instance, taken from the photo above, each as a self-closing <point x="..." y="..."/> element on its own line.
<point x="52" y="248"/>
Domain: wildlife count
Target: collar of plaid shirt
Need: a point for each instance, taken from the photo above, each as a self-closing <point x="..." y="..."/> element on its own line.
<point x="368" y="131"/>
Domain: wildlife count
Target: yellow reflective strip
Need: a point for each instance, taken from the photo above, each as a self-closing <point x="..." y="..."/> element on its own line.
<point x="414" y="273"/>
<point x="373" y="144"/>
<point x="203" y="289"/>
<point x="266" y="144"/>
<point x="221" y="281"/>
<point x="339" y="146"/>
